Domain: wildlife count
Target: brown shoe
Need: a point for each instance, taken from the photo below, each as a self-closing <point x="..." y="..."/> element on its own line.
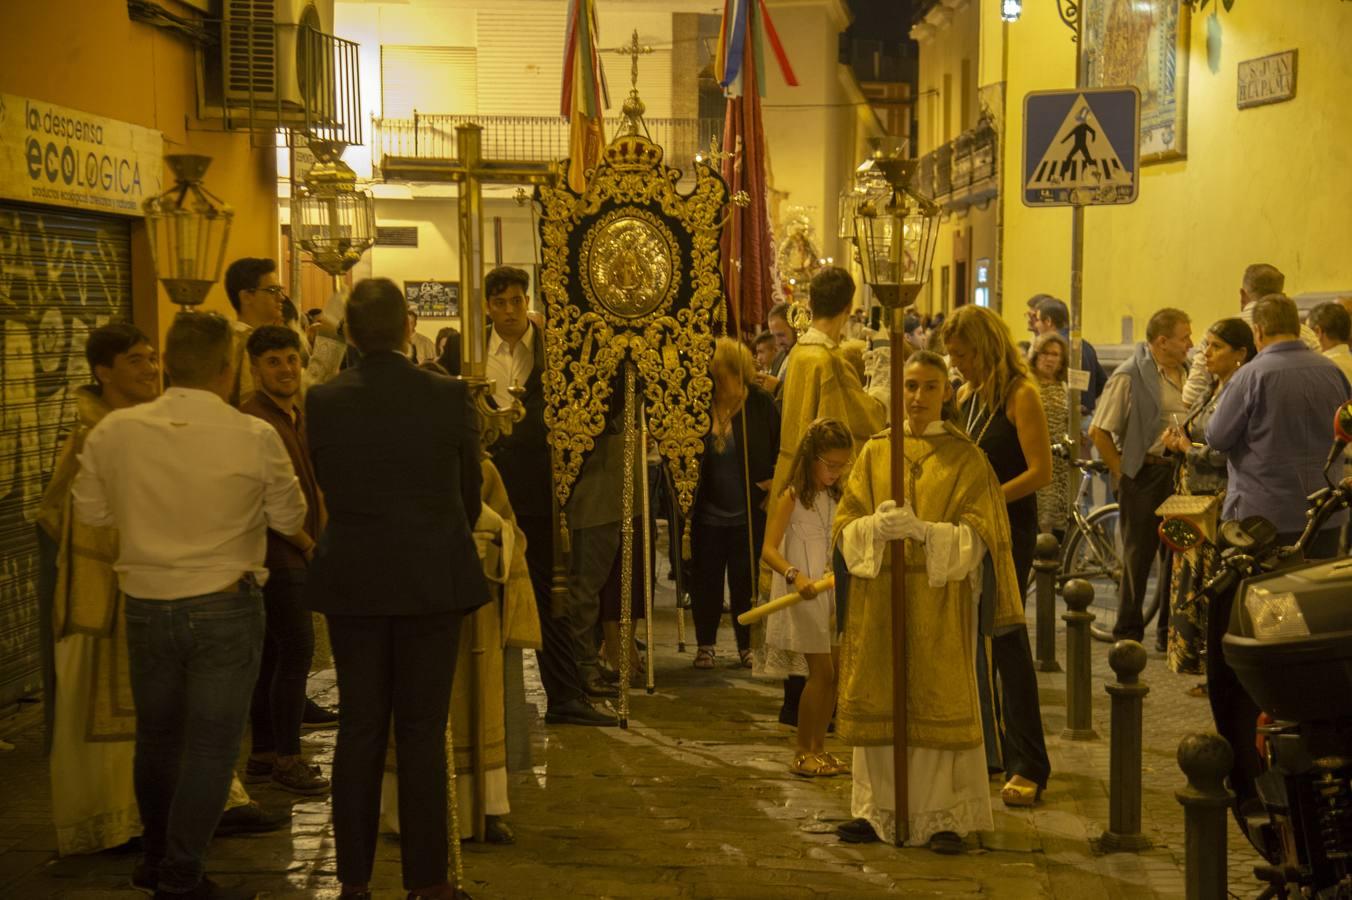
<point x="300" y="778"/>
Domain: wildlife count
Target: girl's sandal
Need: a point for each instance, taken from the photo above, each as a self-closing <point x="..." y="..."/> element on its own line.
<point x="832" y="765"/>
<point x="745" y="656"/>
<point x="704" y="658"/>
<point x="807" y="765"/>
<point x="1015" y="795"/>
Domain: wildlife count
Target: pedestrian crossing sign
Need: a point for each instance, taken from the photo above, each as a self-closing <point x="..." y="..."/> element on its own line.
<point x="1081" y="147"/>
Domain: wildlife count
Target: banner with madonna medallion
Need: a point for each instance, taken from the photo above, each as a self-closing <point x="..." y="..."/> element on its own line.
<point x="630" y="276"/>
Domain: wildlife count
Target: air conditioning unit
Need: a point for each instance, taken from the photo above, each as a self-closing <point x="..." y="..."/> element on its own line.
<point x="278" y="54"/>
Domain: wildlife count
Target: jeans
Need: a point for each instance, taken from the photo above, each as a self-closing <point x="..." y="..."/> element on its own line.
<point x="193" y="665"/>
<point x="279" y="694"/>
<point x="400" y="668"/>
<point x="719" y="553"/>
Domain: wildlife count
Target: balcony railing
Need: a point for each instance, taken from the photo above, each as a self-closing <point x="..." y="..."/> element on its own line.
<point x="526" y="138"/>
<point x="963" y="171"/>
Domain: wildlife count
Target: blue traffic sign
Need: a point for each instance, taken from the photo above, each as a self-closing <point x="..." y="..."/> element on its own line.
<point x="1081" y="147"/>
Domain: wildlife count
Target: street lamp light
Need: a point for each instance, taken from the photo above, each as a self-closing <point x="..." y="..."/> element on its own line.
<point x="334" y="221"/>
<point x="188" y="227"/>
<point x="896" y="241"/>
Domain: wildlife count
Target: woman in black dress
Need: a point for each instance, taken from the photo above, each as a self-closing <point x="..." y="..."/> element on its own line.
<point x="1001" y="409"/>
<point x="730" y="500"/>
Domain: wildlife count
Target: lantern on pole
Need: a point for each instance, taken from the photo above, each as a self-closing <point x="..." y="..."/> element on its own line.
<point x="333" y="220"/>
<point x="188" y="227"/>
<point x="896" y="246"/>
<point x="895" y="240"/>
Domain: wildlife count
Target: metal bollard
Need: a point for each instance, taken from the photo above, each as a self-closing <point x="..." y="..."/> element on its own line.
<point x="1127" y="659"/>
<point x="1079" y="705"/>
<point x="1206" y="760"/>
<point x="1046" y="563"/>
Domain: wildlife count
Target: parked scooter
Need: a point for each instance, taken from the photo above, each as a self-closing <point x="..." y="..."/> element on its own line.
<point x="1279" y="672"/>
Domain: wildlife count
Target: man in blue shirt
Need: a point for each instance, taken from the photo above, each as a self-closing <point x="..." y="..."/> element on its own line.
<point x="1275" y="422"/>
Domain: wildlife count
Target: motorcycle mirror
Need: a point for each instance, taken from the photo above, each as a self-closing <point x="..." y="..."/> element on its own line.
<point x="1180" y="534"/>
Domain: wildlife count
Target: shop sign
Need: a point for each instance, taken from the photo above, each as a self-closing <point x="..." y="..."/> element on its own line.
<point x="1268" y="79"/>
<point x="63" y="157"/>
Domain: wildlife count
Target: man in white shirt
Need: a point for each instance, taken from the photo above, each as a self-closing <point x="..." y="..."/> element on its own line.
<point x="256" y="295"/>
<point x="516" y="358"/>
<point x="1332" y="327"/>
<point x="192" y="486"/>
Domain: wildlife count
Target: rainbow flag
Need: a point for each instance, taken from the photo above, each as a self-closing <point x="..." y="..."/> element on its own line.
<point x="743" y="33"/>
<point x="585" y="93"/>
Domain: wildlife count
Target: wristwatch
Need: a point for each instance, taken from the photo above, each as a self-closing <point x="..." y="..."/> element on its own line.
<point x="791" y="574"/>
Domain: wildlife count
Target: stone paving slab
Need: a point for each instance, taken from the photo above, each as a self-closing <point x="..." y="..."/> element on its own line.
<point x="695" y="800"/>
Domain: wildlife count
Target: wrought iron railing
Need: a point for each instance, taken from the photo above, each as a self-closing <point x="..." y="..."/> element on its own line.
<point x="275" y="80"/>
<point x="526" y="138"/>
<point x="964" y="170"/>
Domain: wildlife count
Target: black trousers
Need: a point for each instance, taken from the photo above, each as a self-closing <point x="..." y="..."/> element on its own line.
<point x="1137" y="499"/>
<point x="558" y="667"/>
<point x="279" y="696"/>
<point x="1016" y="709"/>
<point x="720" y="554"/>
<point x="397" y="667"/>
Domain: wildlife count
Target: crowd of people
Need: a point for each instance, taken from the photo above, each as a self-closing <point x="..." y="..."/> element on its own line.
<point x="194" y="530"/>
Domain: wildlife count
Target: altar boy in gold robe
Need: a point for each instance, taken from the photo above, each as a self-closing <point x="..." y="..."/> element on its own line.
<point x="957" y="538"/>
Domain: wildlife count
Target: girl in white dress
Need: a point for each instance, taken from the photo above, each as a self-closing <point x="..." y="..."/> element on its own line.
<point x="798" y="551"/>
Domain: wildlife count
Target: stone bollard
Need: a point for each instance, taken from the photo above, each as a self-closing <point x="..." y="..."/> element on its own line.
<point x="1206" y="760"/>
<point x="1079" y="678"/>
<point x="1127" y="659"/>
<point x="1046" y="563"/>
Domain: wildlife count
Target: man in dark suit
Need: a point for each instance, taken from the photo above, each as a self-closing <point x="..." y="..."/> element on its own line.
<point x="516" y="358"/>
<point x="396" y="454"/>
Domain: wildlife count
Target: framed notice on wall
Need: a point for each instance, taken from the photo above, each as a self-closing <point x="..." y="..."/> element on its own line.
<point x="434" y="299"/>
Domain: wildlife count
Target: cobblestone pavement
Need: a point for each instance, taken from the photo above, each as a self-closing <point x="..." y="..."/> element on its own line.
<point x="694" y="800"/>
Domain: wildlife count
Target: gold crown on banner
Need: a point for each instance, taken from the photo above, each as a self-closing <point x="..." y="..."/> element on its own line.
<point x="633" y="153"/>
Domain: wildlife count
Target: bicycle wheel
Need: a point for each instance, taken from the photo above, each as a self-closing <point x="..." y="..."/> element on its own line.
<point x="1097" y="558"/>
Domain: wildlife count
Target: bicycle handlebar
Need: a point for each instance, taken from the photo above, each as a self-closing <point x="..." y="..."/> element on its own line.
<point x="1097" y="466"/>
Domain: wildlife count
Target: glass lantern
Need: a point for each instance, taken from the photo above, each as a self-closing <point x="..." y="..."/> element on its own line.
<point x="896" y="239"/>
<point x="333" y="220"/>
<point x="188" y="227"/>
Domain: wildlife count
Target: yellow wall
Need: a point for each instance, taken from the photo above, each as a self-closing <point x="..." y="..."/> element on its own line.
<point x="87" y="55"/>
<point x="1258" y="185"/>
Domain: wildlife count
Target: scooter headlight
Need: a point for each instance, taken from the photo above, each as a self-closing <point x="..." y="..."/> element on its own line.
<point x="1275" y="616"/>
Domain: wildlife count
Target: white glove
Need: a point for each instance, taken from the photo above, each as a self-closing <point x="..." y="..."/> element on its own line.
<point x="896" y="522"/>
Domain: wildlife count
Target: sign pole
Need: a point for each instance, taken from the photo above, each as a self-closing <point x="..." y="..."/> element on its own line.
<point x="1076" y="268"/>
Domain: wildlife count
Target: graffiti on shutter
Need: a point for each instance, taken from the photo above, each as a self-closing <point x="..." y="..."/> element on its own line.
<point x="62" y="274"/>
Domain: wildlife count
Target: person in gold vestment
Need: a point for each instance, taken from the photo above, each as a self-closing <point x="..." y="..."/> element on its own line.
<point x="816" y="382"/>
<point x="955" y="528"/>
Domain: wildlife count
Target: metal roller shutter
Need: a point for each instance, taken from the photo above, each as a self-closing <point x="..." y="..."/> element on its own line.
<point x="62" y="273"/>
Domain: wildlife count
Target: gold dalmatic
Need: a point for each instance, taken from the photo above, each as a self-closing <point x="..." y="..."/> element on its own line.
<point x="630" y="272"/>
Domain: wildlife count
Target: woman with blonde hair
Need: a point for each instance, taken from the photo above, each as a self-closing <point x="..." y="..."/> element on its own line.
<point x="728" y="518"/>
<point x="1000" y="408"/>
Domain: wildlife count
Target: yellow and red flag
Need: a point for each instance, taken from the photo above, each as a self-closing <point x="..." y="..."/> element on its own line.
<point x="585" y="93"/>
